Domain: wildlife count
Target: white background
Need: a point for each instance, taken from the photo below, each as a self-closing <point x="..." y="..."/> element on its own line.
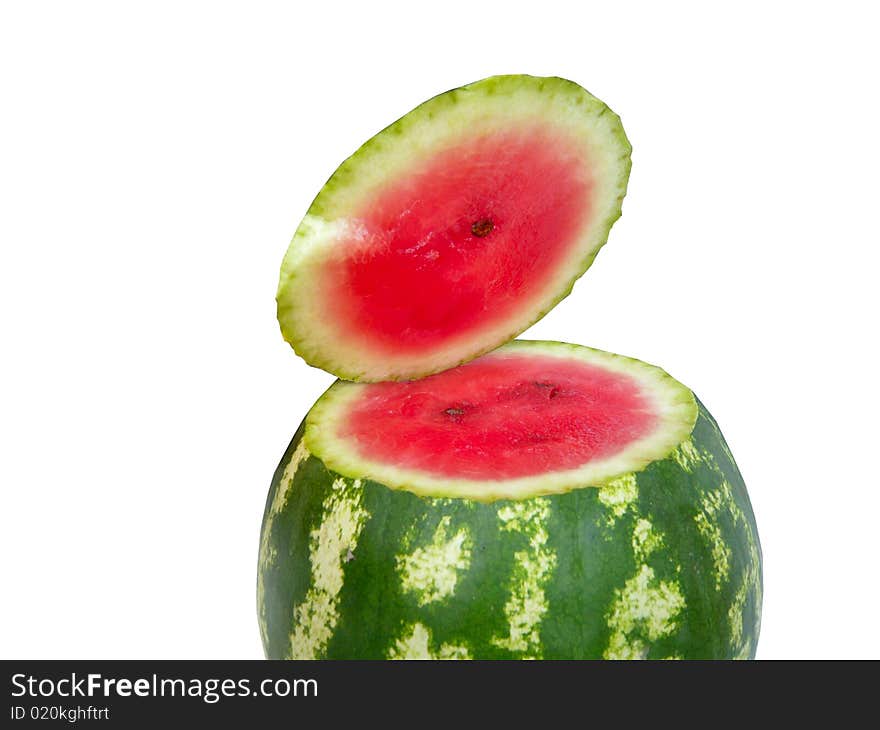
<point x="155" y="159"/>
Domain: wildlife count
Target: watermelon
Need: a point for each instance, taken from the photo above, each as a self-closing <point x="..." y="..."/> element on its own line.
<point x="543" y="501"/>
<point x="454" y="229"/>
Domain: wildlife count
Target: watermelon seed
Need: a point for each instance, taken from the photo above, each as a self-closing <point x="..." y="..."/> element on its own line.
<point x="482" y="227"/>
<point x="454" y="411"/>
<point x="554" y="389"/>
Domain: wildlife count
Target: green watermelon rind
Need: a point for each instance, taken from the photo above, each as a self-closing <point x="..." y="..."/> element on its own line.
<point x="384" y="156"/>
<point x="673" y="403"/>
<point x="663" y="563"/>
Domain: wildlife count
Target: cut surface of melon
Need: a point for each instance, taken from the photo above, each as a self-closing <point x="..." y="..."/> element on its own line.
<point x="530" y="418"/>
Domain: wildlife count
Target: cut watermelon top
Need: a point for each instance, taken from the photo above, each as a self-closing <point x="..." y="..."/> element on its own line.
<point x="530" y="418"/>
<point x="454" y="229"/>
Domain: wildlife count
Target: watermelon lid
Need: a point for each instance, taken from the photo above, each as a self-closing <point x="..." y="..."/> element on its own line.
<point x="454" y="229"/>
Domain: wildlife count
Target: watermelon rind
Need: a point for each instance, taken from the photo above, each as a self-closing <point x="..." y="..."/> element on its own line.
<point x="660" y="562"/>
<point x="457" y="114"/>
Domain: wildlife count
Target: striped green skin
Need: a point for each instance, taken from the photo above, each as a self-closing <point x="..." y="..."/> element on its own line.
<point x="660" y="564"/>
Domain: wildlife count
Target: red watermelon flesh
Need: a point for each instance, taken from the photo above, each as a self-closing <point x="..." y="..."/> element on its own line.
<point x="501" y="417"/>
<point x="462" y="243"/>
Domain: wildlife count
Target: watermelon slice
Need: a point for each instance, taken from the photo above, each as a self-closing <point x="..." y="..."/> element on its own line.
<point x="454" y="229"/>
<point x="543" y="501"/>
